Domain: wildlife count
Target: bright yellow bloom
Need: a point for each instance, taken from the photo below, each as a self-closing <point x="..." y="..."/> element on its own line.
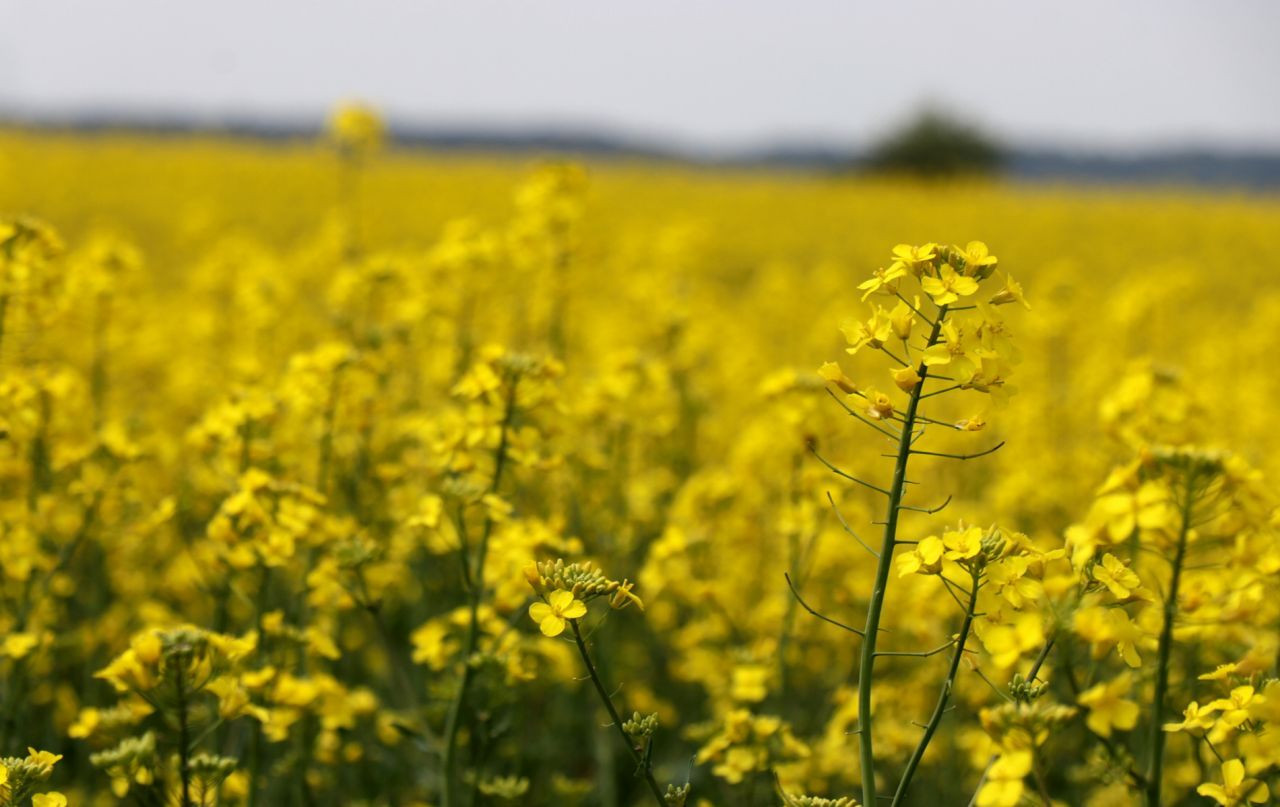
<point x="878" y="405"/>
<point x="1194" y="717"/>
<point x="906" y="378"/>
<point x="1007" y="643"/>
<point x="926" y="558"/>
<point x="882" y="279"/>
<point x="1011" y="293"/>
<point x="976" y="258"/>
<point x="1108" y="707"/>
<point x="1003" y="786"/>
<point x="831" y="371"/>
<point x="1105" y="628"/>
<point x="903" y="319"/>
<point x="914" y="258"/>
<point x="963" y="544"/>
<point x="51" y="799"/>
<point x="1235" y="709"/>
<point x="1118" y="578"/>
<point x="1235" y="789"/>
<point x="357" y="127"/>
<point x="18" y="645"/>
<point x="551" y="615"/>
<point x="872" y="333"/>
<point x="948" y="286"/>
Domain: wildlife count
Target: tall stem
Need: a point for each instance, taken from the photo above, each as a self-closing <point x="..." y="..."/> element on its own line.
<point x="642" y="765"/>
<point x="453" y="719"/>
<point x="1155" y="768"/>
<point x="184" y="735"/>
<point x="866" y="666"/>
<point x="943" y="696"/>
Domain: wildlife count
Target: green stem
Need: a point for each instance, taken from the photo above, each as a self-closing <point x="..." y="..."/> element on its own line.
<point x="643" y="768"/>
<point x="453" y="718"/>
<point x="184" y="735"/>
<point x="866" y="666"/>
<point x="1156" y="766"/>
<point x="943" y="696"/>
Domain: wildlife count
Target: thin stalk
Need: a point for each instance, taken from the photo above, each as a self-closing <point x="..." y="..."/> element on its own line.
<point x="1031" y="677"/>
<point x="643" y="768"/>
<point x="184" y="736"/>
<point x="866" y="666"/>
<point x="453" y="719"/>
<point x="943" y="696"/>
<point x="1156" y="766"/>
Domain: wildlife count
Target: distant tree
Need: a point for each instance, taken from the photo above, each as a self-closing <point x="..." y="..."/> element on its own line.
<point x="935" y="145"/>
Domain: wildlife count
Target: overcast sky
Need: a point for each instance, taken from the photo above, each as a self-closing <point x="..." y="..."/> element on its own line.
<point x="1108" y="73"/>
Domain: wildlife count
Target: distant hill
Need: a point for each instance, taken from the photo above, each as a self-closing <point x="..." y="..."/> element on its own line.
<point x="1258" y="171"/>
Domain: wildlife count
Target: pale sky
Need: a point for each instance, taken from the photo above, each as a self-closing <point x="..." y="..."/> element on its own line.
<point x="1112" y="73"/>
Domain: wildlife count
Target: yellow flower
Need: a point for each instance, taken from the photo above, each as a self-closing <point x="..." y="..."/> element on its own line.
<point x="50" y="799"/>
<point x="906" y="378"/>
<point x="963" y="544"/>
<point x="86" y="722"/>
<point x="976" y="258"/>
<point x="1235" y="789"/>
<point x="1235" y="709"/>
<point x="913" y="258"/>
<point x="1194" y="716"/>
<point x="1003" y="787"/>
<point x="750" y="683"/>
<point x="832" y="372"/>
<point x="551" y="615"/>
<point x="17" y="645"/>
<point x="926" y="558"/>
<point x="879" y="407"/>
<point x="1008" y="643"/>
<point x="1011" y="293"/>
<point x="1108" y="708"/>
<point x="44" y="760"/>
<point x="1118" y="578"/>
<point x="146" y="647"/>
<point x="948" y="286"/>
<point x="883" y="278"/>
<point x="903" y="319"/>
<point x="357" y="127"/>
<point x="873" y="333"/>
<point x="1110" y="627"/>
<point x="1221" y="672"/>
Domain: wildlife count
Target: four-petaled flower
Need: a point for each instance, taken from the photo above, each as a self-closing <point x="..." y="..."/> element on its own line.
<point x="1235" y="789"/>
<point x="948" y="286"/>
<point x="882" y="279"/>
<point x="552" y="615"/>
<point x="1108" y="706"/>
<point x="976" y="258"/>
<point x="1112" y="573"/>
<point x="913" y="258"/>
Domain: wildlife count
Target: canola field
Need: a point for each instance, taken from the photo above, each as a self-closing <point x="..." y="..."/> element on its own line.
<point x="335" y="474"/>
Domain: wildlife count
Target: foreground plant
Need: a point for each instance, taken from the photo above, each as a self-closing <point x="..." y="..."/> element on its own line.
<point x="178" y="686"/>
<point x="20" y="777"/>
<point x="564" y="590"/>
<point x="951" y="338"/>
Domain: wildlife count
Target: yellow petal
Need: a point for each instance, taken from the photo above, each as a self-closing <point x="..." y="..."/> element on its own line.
<point x="552" y="626"/>
<point x="574" y="610"/>
<point x="1232" y="773"/>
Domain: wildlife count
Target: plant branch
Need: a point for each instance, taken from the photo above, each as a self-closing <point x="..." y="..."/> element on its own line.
<point x="643" y="769"/>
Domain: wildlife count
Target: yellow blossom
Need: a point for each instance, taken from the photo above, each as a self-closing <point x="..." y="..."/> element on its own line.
<point x="551" y="615"/>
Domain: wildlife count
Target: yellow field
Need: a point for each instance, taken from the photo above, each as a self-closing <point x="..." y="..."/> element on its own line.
<point x="284" y="426"/>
